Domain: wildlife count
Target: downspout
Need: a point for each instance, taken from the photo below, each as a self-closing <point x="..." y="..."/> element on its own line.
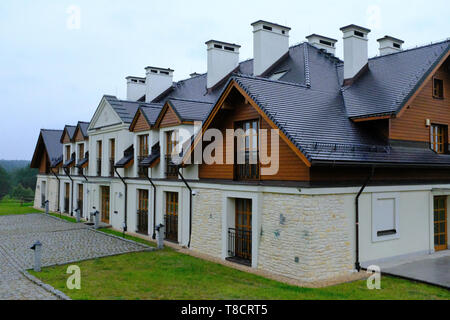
<point x="190" y="205"/>
<point x="154" y="205"/>
<point x="71" y="202"/>
<point x="59" y="185"/>
<point x="357" y="264"/>
<point x="126" y="196"/>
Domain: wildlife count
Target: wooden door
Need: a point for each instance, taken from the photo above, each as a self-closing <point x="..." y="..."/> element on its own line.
<point x="243" y="229"/>
<point x="66" y="197"/>
<point x="171" y="217"/>
<point x="105" y="204"/>
<point x="80" y="198"/>
<point x="440" y="223"/>
<point x="142" y="212"/>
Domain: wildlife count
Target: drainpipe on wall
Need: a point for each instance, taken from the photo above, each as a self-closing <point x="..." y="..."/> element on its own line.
<point x="59" y="185"/>
<point x="190" y="205"/>
<point x="357" y="264"/>
<point x="154" y="205"/>
<point x="66" y="170"/>
<point x="126" y="196"/>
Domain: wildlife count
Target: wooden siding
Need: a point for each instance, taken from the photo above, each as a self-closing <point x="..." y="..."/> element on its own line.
<point x="79" y="136"/>
<point x="411" y="124"/>
<point x="169" y="118"/>
<point x="44" y="162"/>
<point x="141" y="123"/>
<point x="291" y="167"/>
<point x="66" y="138"/>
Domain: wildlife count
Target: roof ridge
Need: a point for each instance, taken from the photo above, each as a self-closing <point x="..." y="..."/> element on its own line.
<point x="190" y="100"/>
<point x="269" y="80"/>
<point x="307" y="71"/>
<point x="51" y="130"/>
<point x="412" y="49"/>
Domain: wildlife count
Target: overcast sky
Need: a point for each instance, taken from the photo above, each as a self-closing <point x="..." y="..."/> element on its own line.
<point x="55" y="65"/>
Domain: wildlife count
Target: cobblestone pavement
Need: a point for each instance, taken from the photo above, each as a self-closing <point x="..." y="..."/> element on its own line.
<point x="62" y="242"/>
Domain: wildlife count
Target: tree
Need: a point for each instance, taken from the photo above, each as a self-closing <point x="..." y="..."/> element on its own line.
<point x="26" y="177"/>
<point x="19" y="192"/>
<point x="5" y="183"/>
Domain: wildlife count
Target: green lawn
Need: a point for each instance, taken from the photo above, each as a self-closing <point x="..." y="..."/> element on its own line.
<point x="9" y="207"/>
<point x="69" y="219"/>
<point x="168" y="274"/>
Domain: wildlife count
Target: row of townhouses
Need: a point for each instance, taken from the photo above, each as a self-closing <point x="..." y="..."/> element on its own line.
<point x="360" y="152"/>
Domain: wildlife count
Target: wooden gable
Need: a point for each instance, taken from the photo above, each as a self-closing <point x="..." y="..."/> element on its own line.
<point x="140" y="122"/>
<point x="79" y="135"/>
<point x="168" y="117"/>
<point x="65" y="137"/>
<point x="411" y="124"/>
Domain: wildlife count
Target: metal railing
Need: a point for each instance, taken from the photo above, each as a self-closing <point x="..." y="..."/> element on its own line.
<point x="142" y="171"/>
<point x="111" y="166"/>
<point x="99" y="167"/>
<point x="171" y="169"/>
<point x="250" y="169"/>
<point x="142" y="225"/>
<point x="66" y="205"/>
<point x="171" y="226"/>
<point x="240" y="243"/>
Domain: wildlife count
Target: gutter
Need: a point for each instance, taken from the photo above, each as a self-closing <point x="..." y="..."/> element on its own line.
<point x="66" y="170"/>
<point x="126" y="196"/>
<point x="59" y="185"/>
<point x="357" y="263"/>
<point x="190" y="205"/>
<point x="154" y="205"/>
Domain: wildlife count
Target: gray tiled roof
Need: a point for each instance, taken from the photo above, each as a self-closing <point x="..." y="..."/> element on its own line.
<point x="151" y="112"/>
<point x="84" y="127"/>
<point x="53" y="145"/>
<point x="126" y="109"/>
<point x="128" y="155"/>
<point x="70" y="131"/>
<point x="189" y="110"/>
<point x="391" y="79"/>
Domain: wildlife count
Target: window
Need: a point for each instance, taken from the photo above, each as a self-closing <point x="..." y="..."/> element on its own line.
<point x="142" y="212"/>
<point x="81" y="151"/>
<point x="112" y="156"/>
<point x="246" y="151"/>
<point x="438" y="138"/>
<point x="171" y="216"/>
<point x="385" y="216"/>
<point x="99" y="158"/>
<point x="438" y="88"/>
<point x="143" y="153"/>
<point x="67" y="153"/>
<point x="171" y="149"/>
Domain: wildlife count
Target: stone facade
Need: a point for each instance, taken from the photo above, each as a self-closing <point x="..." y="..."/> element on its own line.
<point x="305" y="237"/>
<point x="207" y="222"/>
<point x="302" y="237"/>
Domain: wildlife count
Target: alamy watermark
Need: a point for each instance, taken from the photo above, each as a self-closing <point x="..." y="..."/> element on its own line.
<point x="374" y="281"/>
<point x="74" y="280"/>
<point x="73" y="21"/>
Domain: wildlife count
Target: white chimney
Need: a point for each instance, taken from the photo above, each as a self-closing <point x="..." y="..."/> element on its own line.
<point x="390" y="45"/>
<point x="356" y="54"/>
<point x="157" y="81"/>
<point x="321" y="42"/>
<point x="270" y="43"/>
<point x="135" y="88"/>
<point x="223" y="58"/>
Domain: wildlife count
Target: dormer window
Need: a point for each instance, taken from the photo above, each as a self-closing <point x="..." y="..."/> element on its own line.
<point x="438" y="88"/>
<point x="438" y="138"/>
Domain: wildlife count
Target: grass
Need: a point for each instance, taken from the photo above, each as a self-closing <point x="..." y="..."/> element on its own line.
<point x="120" y="234"/>
<point x="167" y="274"/>
<point x="64" y="217"/>
<point x="10" y="207"/>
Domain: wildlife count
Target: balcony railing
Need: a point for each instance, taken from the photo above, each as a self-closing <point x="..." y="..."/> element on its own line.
<point x="171" y="225"/>
<point x="171" y="169"/>
<point x="240" y="244"/>
<point x="250" y="169"/>
<point x="99" y="167"/>
<point x="66" y="205"/>
<point x="142" y="226"/>
<point x="142" y="171"/>
<point x="112" y="161"/>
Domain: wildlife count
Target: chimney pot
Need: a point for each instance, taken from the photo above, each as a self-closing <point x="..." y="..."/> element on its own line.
<point x="223" y="57"/>
<point x="270" y="43"/>
<point x="157" y="81"/>
<point x="356" y="54"/>
<point x="321" y="42"/>
<point x="135" y="88"/>
<point x="390" y="45"/>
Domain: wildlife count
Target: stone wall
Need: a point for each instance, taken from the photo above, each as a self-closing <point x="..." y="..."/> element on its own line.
<point x="52" y="192"/>
<point x="305" y="237"/>
<point x="207" y="222"/>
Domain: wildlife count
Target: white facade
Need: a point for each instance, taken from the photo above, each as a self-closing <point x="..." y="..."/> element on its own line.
<point x="356" y="52"/>
<point x="222" y="59"/>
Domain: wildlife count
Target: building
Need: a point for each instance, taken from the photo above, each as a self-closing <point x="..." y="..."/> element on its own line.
<point x="360" y="172"/>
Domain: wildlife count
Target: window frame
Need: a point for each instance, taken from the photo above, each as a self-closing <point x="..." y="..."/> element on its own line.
<point x="436" y="146"/>
<point x="376" y="237"/>
<point x="440" y="95"/>
<point x="251" y="148"/>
